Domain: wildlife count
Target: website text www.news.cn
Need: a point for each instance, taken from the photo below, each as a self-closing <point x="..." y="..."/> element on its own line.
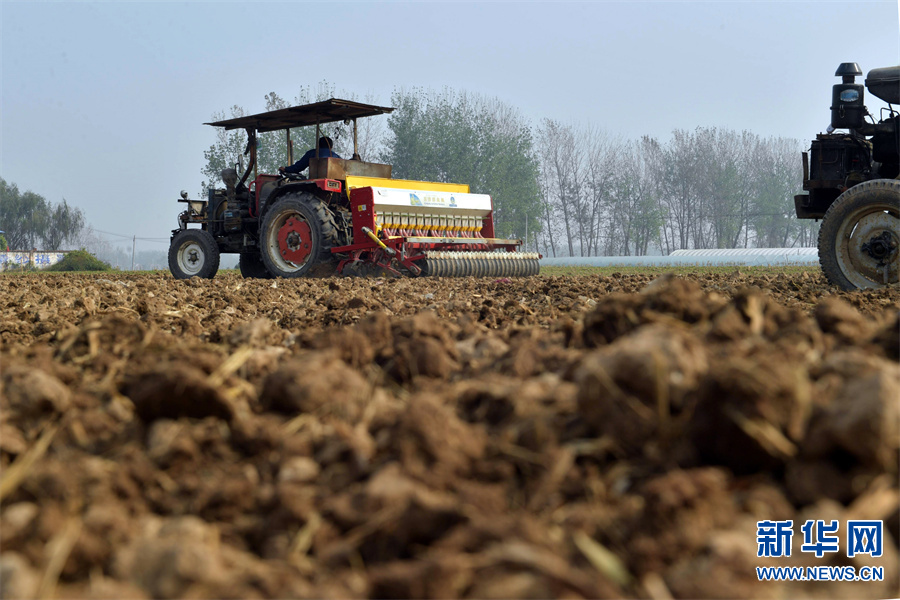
<point x="820" y="538"/>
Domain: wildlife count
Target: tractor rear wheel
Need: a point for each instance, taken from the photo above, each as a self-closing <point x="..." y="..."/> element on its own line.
<point x="193" y="253"/>
<point x="251" y="266"/>
<point x="296" y="237"/>
<point x="859" y="240"/>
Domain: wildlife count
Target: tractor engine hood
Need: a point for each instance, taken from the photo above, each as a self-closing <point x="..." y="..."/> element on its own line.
<point x="884" y="83"/>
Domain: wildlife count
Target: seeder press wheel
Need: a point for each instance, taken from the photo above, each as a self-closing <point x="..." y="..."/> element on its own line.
<point x="481" y="264"/>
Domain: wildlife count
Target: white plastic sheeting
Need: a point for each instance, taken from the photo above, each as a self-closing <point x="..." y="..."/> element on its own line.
<point x="763" y="257"/>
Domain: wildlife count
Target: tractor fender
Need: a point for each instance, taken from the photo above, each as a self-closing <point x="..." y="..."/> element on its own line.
<point x="289" y="188"/>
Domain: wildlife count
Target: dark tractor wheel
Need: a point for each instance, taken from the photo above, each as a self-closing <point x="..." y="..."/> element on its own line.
<point x="296" y="237"/>
<point x="859" y="240"/>
<point x="251" y="266"/>
<point x="193" y="253"/>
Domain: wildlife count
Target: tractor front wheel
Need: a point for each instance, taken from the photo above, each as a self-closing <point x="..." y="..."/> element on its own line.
<point x="193" y="253"/>
<point x="296" y="237"/>
<point x="859" y="240"/>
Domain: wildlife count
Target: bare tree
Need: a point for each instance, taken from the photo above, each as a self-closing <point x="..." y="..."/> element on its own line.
<point x="64" y="223"/>
<point x="561" y="169"/>
<point x="602" y="158"/>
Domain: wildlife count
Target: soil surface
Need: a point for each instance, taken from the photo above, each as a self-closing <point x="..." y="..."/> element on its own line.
<point x="595" y="436"/>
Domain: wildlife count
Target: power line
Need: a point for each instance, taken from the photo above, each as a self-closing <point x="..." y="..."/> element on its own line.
<point x="129" y="236"/>
<point x="111" y="233"/>
<point x="132" y="237"/>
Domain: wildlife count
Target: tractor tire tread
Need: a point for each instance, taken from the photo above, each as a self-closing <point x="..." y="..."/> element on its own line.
<point x="324" y="264"/>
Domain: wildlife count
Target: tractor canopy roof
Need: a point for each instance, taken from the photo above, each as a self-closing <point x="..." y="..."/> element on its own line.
<point x="326" y="111"/>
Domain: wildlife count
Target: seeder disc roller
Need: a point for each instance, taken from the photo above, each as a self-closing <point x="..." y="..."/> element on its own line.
<point x="481" y="264"/>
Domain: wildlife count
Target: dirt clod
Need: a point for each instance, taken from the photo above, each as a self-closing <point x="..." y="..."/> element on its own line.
<point x="614" y="436"/>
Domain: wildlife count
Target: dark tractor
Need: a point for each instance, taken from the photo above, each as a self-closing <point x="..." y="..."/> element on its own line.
<point x="853" y="185"/>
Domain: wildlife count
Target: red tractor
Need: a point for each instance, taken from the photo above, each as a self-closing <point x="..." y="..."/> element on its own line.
<point x="348" y="217"/>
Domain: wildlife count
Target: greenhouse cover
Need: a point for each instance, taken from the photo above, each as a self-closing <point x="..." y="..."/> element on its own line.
<point x="720" y="257"/>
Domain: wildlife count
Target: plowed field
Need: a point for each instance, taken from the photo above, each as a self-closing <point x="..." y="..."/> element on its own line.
<point x="590" y="436"/>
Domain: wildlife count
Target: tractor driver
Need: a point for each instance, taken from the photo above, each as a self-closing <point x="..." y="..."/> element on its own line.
<point x="324" y="151"/>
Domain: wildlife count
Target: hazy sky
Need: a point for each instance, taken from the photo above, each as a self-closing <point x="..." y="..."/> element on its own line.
<point x="103" y="103"/>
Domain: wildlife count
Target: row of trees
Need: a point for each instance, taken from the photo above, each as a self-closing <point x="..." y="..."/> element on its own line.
<point x="708" y="188"/>
<point x="572" y="190"/>
<point x="467" y="139"/>
<point x="30" y="221"/>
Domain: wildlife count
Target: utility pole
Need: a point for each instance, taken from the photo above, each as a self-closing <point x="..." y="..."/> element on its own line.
<point x="32" y="249"/>
<point x="133" y="242"/>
